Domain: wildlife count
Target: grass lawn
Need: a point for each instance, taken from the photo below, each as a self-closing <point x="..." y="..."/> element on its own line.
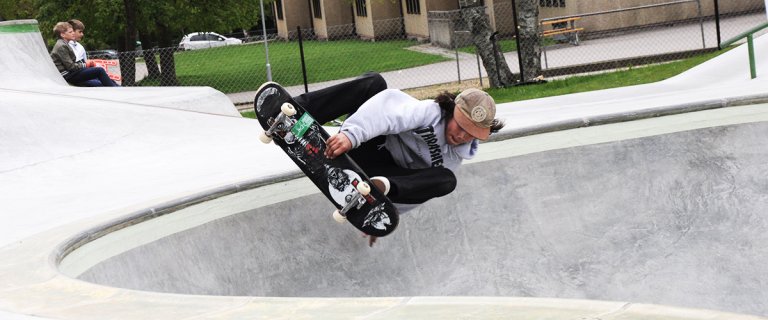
<point x="243" y="68"/>
<point x="629" y="77"/>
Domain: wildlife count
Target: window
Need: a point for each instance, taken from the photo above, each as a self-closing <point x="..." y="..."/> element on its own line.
<point x="552" y="3"/>
<point x="279" y="9"/>
<point x="317" y="9"/>
<point x="413" y="6"/>
<point x="362" y="10"/>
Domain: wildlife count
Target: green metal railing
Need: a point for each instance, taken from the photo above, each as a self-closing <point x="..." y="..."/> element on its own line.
<point x="19" y="26"/>
<point x="749" y="34"/>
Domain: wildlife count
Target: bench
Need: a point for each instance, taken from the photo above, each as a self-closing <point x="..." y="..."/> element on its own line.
<point x="562" y="27"/>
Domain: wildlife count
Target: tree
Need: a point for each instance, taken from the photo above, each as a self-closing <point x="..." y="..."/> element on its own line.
<point x="119" y="24"/>
<point x="528" y="39"/>
<point x="499" y="73"/>
<point x="160" y="24"/>
<point x="128" y="45"/>
<point x="101" y="25"/>
<point x="17" y="9"/>
<point x="527" y="32"/>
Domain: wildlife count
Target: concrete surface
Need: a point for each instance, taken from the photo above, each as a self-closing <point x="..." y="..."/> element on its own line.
<point x="664" y="210"/>
<point x="683" y="210"/>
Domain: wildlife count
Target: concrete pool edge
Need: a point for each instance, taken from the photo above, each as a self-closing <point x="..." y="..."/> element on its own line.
<point x="53" y="281"/>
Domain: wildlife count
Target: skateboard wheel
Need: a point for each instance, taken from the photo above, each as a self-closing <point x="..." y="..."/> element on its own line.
<point x="288" y="109"/>
<point x="338" y="217"/>
<point x="263" y="137"/>
<point x="364" y="188"/>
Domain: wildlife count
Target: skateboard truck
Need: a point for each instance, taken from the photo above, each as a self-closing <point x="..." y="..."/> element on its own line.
<point x="286" y="111"/>
<point x="359" y="198"/>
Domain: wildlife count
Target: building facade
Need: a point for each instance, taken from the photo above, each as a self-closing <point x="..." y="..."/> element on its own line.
<point x="437" y="20"/>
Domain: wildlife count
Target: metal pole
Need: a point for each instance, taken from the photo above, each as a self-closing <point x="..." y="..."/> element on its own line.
<point x="496" y="57"/>
<point x="456" y="47"/>
<point x="303" y="64"/>
<point x="544" y="51"/>
<point x="701" y="24"/>
<point x="456" y="50"/>
<point x="717" y="24"/>
<point x="751" y="48"/>
<point x="517" y="40"/>
<point x="266" y="47"/>
<point x="479" y="71"/>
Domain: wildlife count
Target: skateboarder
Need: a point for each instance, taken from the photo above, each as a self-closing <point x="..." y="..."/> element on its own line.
<point x="411" y="148"/>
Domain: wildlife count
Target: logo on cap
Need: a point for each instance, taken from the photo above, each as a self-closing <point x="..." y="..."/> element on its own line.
<point x="479" y="113"/>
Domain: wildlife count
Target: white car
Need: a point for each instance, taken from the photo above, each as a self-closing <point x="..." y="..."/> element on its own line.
<point x="204" y="40"/>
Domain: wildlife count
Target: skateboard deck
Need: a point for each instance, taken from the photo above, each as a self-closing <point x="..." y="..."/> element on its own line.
<point x="341" y="180"/>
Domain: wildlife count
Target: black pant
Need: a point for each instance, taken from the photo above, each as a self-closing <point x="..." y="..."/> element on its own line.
<point x="90" y="77"/>
<point x="411" y="186"/>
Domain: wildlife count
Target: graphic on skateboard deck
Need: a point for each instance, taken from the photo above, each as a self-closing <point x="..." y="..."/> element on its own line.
<point x="340" y="179"/>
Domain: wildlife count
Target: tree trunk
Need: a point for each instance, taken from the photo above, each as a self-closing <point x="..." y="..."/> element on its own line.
<point x="168" y="66"/>
<point x="128" y="56"/>
<point x="128" y="68"/>
<point x="150" y="60"/>
<point x="528" y="44"/>
<point x="167" y="61"/>
<point x="495" y="65"/>
<point x="148" y="41"/>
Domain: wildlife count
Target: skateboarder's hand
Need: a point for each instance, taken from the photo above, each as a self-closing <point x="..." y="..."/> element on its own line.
<point x="337" y="145"/>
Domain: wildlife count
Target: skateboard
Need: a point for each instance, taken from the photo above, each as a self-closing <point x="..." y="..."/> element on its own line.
<point x="341" y="180"/>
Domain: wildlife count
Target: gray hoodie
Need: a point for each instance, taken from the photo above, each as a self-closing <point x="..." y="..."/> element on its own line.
<point x="415" y="131"/>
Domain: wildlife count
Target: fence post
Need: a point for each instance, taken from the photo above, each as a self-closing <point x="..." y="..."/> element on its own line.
<point x="751" y="48"/>
<point x="701" y="25"/>
<point x="496" y="58"/>
<point x="303" y="64"/>
<point x="479" y="71"/>
<point x="717" y="24"/>
<point x="456" y="50"/>
<point x="455" y="40"/>
<point x="517" y="41"/>
<point x="266" y="46"/>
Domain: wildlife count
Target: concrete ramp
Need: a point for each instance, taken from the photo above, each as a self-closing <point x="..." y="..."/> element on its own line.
<point x="675" y="219"/>
<point x="131" y="204"/>
<point x="24" y="59"/>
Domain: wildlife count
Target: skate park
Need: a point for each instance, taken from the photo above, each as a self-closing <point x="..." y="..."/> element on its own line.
<point x="630" y="203"/>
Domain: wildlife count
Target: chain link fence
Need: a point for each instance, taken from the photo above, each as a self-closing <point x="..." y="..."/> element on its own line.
<point x="584" y="39"/>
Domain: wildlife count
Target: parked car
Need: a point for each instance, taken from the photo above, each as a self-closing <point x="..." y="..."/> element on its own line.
<point x="108" y="54"/>
<point x="203" y="40"/>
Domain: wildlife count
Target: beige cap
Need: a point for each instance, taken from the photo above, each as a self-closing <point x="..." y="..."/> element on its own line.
<point x="474" y="112"/>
